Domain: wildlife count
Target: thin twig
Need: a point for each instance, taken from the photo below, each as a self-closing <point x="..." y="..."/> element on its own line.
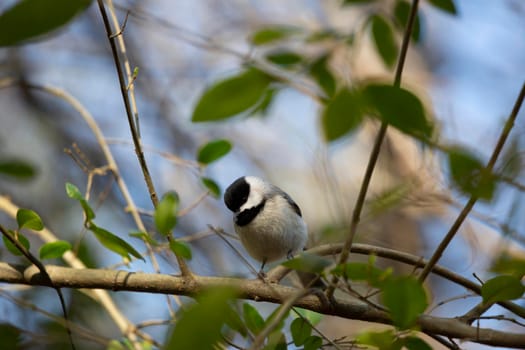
<point x="468" y="207"/>
<point x="374" y="154"/>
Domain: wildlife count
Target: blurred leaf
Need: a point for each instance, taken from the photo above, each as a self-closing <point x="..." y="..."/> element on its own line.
<point x="213" y="150"/>
<point x="399" y="108"/>
<point x="313" y="342"/>
<point x="321" y="73"/>
<point x="276" y="341"/>
<point x="116" y="345"/>
<point x="342" y="114"/>
<point x="27" y="218"/>
<point x="17" y="169"/>
<point x="145" y="237"/>
<point x="512" y="158"/>
<point x="73" y="192"/>
<point x="312" y="316"/>
<point x="234" y="321"/>
<point x="356" y="2"/>
<point x="469" y="174"/>
<point x="181" y="249"/>
<point x="11" y="247"/>
<point x="510" y="265"/>
<point x="53" y="250"/>
<point x="384" y="40"/>
<point x="113" y="242"/>
<point x="200" y="325"/>
<point x="266" y="101"/>
<point x="385" y="340"/>
<point x="231" y="96"/>
<point x="445" y="5"/>
<point x="406" y="300"/>
<point x="253" y="318"/>
<point x="271" y="34"/>
<point x="401" y="13"/>
<point x="212" y="186"/>
<point x="165" y="215"/>
<point x="284" y="58"/>
<point x="415" y="343"/>
<point x="390" y="198"/>
<point x="11" y="336"/>
<point x="29" y="19"/>
<point x="367" y="272"/>
<point x="308" y="263"/>
<point x="501" y="288"/>
<point x="300" y="330"/>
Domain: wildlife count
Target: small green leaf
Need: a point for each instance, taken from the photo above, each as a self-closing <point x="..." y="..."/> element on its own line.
<point x="385" y="340"/>
<point x="445" y="5"/>
<point x="181" y="249"/>
<point x="271" y="34"/>
<point x="401" y="13"/>
<point x="213" y="150"/>
<point x="320" y="71"/>
<point x="308" y="263"/>
<point x="165" y="215"/>
<point x="54" y="250"/>
<point x="469" y="174"/>
<point x="300" y="330"/>
<point x="266" y="101"/>
<point x="284" y="58"/>
<point x="145" y="237"/>
<point x="212" y="186"/>
<point x="406" y="299"/>
<point x="231" y="96"/>
<point x="200" y="325"/>
<point x="253" y="318"/>
<point x="342" y="114"/>
<point x="510" y="265"/>
<point x="313" y="342"/>
<point x="29" y="19"/>
<point x="313" y="317"/>
<point x="415" y="343"/>
<point x="27" y="218"/>
<point x="501" y="288"/>
<point x="113" y="242"/>
<point x="11" y="247"/>
<point x="399" y="108"/>
<point x="17" y="169"/>
<point x="384" y="40"/>
<point x="74" y="193"/>
<point x="367" y="272"/>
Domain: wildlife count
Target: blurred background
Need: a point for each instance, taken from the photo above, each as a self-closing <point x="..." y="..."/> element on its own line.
<point x="468" y="68"/>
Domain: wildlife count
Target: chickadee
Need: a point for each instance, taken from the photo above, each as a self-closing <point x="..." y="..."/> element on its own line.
<point x="267" y="220"/>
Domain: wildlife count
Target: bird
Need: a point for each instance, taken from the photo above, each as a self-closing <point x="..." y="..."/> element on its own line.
<point x="267" y="220"/>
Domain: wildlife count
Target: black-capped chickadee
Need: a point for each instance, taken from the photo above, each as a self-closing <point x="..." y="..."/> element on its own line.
<point x="267" y="220"/>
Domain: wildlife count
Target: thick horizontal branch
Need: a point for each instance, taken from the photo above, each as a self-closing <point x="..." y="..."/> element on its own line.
<point x="249" y="289"/>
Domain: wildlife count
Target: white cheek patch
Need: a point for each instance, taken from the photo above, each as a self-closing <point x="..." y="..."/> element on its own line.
<point x="254" y="199"/>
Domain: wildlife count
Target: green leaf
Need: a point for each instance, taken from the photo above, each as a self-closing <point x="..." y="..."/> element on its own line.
<point x="266" y="101"/>
<point x="253" y="318"/>
<point x="213" y="150"/>
<point x="313" y="317"/>
<point x="313" y="342"/>
<point x="200" y="325"/>
<point x="389" y="198"/>
<point x="406" y="299"/>
<point x="284" y="58"/>
<point x="308" y="263"/>
<point x="384" y="40"/>
<point x="17" y="169"/>
<point x="113" y="242"/>
<point x="27" y="218"/>
<point x="54" y="250"/>
<point x="212" y="186"/>
<point x="445" y="5"/>
<point x="401" y="13"/>
<point x="385" y="340"/>
<point x="231" y="96"/>
<point x="415" y="343"/>
<point x="181" y="249"/>
<point x="399" y="108"/>
<point x="320" y="71"/>
<point x="510" y="265"/>
<point x="276" y="341"/>
<point x="356" y="2"/>
<point x="29" y="19"/>
<point x="165" y="215"/>
<point x="469" y="174"/>
<point x="11" y="336"/>
<point x="367" y="272"/>
<point x="501" y="288"/>
<point x="342" y="114"/>
<point x="74" y="193"/>
<point x="300" y="330"/>
<point x="11" y="247"/>
<point x="271" y="34"/>
<point x="145" y="237"/>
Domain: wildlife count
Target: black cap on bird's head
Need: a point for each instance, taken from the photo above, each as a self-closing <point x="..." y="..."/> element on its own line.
<point x="237" y="194"/>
